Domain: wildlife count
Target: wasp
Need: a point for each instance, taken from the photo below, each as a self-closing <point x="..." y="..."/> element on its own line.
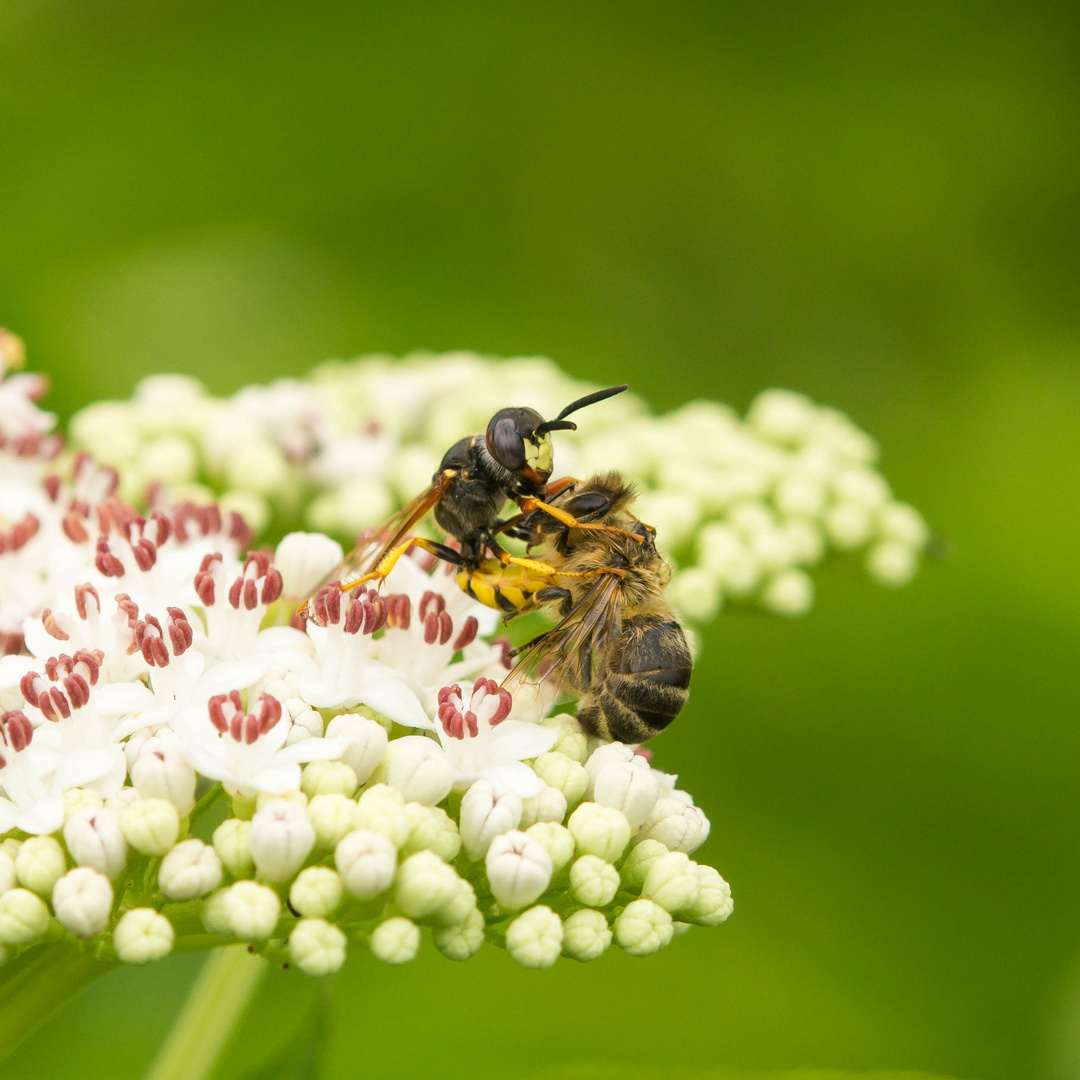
<point x="618" y="642"/>
<point x="511" y="460"/>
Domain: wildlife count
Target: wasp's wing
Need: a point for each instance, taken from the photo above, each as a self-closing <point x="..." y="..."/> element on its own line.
<point x="371" y="549"/>
<point x="576" y="640"/>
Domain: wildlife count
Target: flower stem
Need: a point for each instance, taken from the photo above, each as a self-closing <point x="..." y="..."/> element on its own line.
<point x="223" y="989"/>
<point x="37" y="983"/>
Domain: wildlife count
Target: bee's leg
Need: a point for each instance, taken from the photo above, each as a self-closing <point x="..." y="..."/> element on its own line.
<point x="382" y="569"/>
<point x="529" y="504"/>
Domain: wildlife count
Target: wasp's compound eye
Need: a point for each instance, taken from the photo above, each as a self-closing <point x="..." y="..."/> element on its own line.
<point x="506" y="444"/>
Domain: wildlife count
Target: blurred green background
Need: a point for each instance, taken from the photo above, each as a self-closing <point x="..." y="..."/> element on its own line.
<point x="874" y="203"/>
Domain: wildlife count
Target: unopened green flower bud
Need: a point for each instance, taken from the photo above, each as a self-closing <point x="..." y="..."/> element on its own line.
<point x="713" y="904"/>
<point x="672" y="882"/>
<point x="233" y="846"/>
<point x="570" y="740"/>
<point x="317" y="891"/>
<point x="214" y="915"/>
<point x="432" y="830"/>
<point x="191" y="869"/>
<point x="8" y="877"/>
<point x="463" y="940"/>
<point x="40" y="864"/>
<point x="534" y="939"/>
<point x="641" y="857"/>
<point x="425" y="885"/>
<point x="317" y="947"/>
<point x="643" y="927"/>
<point x="593" y="881"/>
<point x="23" y="917"/>
<point x="367" y="862"/>
<point x="395" y="941"/>
<point x="328" y="778"/>
<point x="333" y="817"/>
<point x="78" y="799"/>
<point x="599" y="830"/>
<point x="82" y="900"/>
<point x="381" y="809"/>
<point x="120" y="800"/>
<point x="564" y="774"/>
<point x="10" y="847"/>
<point x="251" y="910"/>
<point x="151" y="826"/>
<point x="555" y="839"/>
<point x="142" y="935"/>
<point x="459" y="910"/>
<point x="548" y="805"/>
<point x="586" y="934"/>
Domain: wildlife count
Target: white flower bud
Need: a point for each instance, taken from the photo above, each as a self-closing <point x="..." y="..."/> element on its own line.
<point x="328" y="778"/>
<point x="281" y="838"/>
<point x="713" y="904"/>
<point x="306" y="723"/>
<point x="79" y="799"/>
<point x="142" y="935"/>
<point x="905" y="524"/>
<point x="381" y="809"/>
<point x="303" y="559"/>
<point x="605" y="754"/>
<point x="487" y="810"/>
<point x="426" y="886"/>
<point x="419" y="768"/>
<point x="191" y="869"/>
<point x="534" y="939"/>
<point x="82" y="900"/>
<point x="789" y="593"/>
<point x="849" y="525"/>
<point x="162" y="772"/>
<point x="264" y="799"/>
<point x="433" y="829"/>
<point x="317" y="947"/>
<point x="643" y="927"/>
<point x="120" y="800"/>
<point x="672" y="881"/>
<point x="462" y="941"/>
<point x="629" y="786"/>
<point x="8" y="877"/>
<point x="679" y="826"/>
<point x="892" y="563"/>
<point x="94" y="839"/>
<point x="695" y="591"/>
<point x="10" y="847"/>
<point x="333" y="817"/>
<point x="593" y="881"/>
<point x="151" y="826"/>
<point x="395" y="941"/>
<point x="555" y="839"/>
<point x="215" y="917"/>
<point x="564" y="774"/>
<point x="548" y="805"/>
<point x="586" y="935"/>
<point x="636" y="867"/>
<point x="23" y="917"/>
<point x="317" y="891"/>
<point x="459" y="910"/>
<point x="571" y="740"/>
<point x="599" y="830"/>
<point x="366" y="862"/>
<point x="251" y="910"/>
<point x="782" y="416"/>
<point x="367" y="742"/>
<point x="40" y="864"/>
<point x="232" y="842"/>
<point x="518" y="869"/>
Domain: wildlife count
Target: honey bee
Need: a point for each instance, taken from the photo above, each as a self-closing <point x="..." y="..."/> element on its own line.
<point x="618" y="642"/>
<point x="511" y="460"/>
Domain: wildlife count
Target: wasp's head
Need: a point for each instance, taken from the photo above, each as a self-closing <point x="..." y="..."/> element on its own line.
<point x="520" y="439"/>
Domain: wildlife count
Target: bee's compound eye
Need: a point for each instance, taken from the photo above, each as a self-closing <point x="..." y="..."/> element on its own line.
<point x="506" y="444"/>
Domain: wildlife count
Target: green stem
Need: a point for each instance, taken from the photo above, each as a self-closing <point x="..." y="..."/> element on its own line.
<point x="222" y="991"/>
<point x="36" y="984"/>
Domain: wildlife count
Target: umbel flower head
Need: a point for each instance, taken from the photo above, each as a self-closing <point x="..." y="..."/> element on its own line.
<point x="180" y="756"/>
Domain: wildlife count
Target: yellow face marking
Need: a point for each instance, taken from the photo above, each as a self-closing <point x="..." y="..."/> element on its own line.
<point x="540" y="456"/>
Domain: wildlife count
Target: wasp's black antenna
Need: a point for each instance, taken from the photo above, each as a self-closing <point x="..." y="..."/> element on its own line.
<point x="562" y="424"/>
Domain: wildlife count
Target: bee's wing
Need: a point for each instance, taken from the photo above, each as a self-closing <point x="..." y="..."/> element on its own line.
<point x="582" y="634"/>
<point x="370" y="551"/>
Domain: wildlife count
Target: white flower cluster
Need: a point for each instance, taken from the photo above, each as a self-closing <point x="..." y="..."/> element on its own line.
<point x="183" y="760"/>
<point x="744" y="506"/>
